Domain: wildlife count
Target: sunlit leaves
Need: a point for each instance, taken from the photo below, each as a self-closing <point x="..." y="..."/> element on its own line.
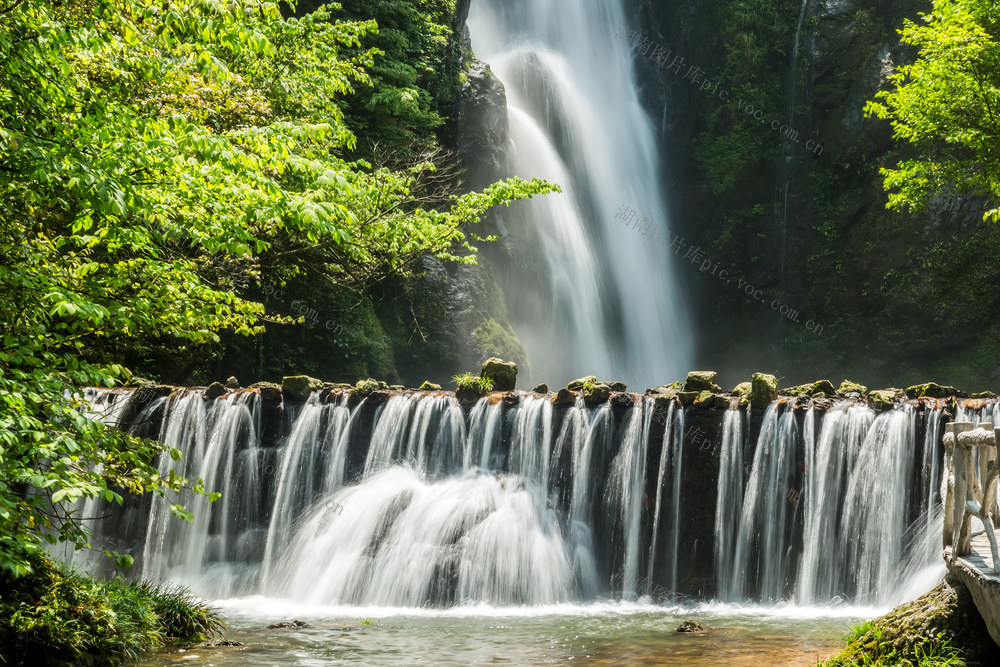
<point x="946" y="106"/>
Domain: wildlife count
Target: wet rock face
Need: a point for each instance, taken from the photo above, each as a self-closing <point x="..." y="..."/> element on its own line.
<point x="502" y="373"/>
<point x="481" y="136"/>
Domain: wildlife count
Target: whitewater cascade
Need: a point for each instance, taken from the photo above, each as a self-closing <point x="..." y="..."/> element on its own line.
<point x="411" y="499"/>
<point x="601" y="289"/>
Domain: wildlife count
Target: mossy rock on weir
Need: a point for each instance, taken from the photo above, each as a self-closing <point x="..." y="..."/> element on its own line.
<point x="363" y="389"/>
<point x="708" y="399"/>
<point x="564" y="397"/>
<point x="595" y="394"/>
<point x="882" y="399"/>
<point x="931" y="390"/>
<point x="742" y="390"/>
<point x="577" y="385"/>
<point x="269" y="391"/>
<point x="847" y="387"/>
<point x="541" y="389"/>
<point x="701" y="381"/>
<point x="818" y="388"/>
<point x="763" y="389"/>
<point x="983" y="394"/>
<point x="666" y="389"/>
<point x="502" y="373"/>
<point x="430" y="386"/>
<point x="942" y="621"/>
<point x="299" y="387"/>
<point x="215" y="390"/>
<point x="232" y="382"/>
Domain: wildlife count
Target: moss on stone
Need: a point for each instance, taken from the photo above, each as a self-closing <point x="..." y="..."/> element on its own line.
<point x="701" y="381"/>
<point x="811" y="390"/>
<point x="882" y="399"/>
<point x="943" y="622"/>
<point x="931" y="390"/>
<point x="763" y="389"/>
<point x="430" y="386"/>
<point x="494" y="340"/>
<point x="743" y="389"/>
<point x="848" y="387"/>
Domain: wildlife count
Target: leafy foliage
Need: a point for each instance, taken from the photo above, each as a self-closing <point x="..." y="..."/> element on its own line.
<point x="947" y="106"/>
<point x="156" y="161"/>
<point x="53" y="617"/>
<point x="473" y="382"/>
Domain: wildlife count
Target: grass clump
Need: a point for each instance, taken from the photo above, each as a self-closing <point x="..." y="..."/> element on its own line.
<point x="869" y="646"/>
<point x="57" y="617"/>
<point x="472" y="382"/>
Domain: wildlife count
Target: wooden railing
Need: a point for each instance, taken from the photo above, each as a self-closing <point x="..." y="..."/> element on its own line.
<point x="971" y="471"/>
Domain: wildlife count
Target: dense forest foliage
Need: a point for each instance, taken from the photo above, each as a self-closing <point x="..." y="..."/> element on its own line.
<point x="902" y="294"/>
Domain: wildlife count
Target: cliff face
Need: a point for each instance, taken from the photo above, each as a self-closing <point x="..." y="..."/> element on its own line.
<point x="777" y="180"/>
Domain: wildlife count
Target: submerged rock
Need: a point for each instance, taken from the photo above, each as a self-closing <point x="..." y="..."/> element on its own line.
<point x="299" y="387"/>
<point x="288" y="624"/>
<point x="502" y="373"/>
<point x="701" y="381"/>
<point x="763" y="389"/>
<point x="692" y="626"/>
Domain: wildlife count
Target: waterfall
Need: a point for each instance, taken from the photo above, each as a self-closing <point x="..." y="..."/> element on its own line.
<point x="763" y="540"/>
<point x="411" y="499"/>
<point x="729" y="499"/>
<point x="604" y="292"/>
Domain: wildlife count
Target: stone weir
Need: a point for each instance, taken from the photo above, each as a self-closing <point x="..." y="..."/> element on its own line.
<point x="332" y="493"/>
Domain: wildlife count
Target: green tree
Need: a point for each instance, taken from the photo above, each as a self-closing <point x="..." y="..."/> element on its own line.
<point x="155" y="159"/>
<point x="946" y="105"/>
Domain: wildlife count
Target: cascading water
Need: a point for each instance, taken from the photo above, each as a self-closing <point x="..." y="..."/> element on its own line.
<point x="414" y="500"/>
<point x="609" y="296"/>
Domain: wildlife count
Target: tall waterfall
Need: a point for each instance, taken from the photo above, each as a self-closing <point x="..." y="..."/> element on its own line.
<point x="602" y="290"/>
<point x="411" y="499"/>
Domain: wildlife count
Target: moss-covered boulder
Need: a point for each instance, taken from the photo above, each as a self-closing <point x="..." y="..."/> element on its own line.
<point x="595" y="394"/>
<point x="430" y="386"/>
<point x="269" y="391"/>
<point x="851" y="389"/>
<point x="541" y="389"/>
<point x="943" y="622"/>
<point x="232" y="382"/>
<point x="701" y="381"/>
<point x="763" y="389"/>
<point x="883" y="399"/>
<point x="671" y="389"/>
<point x="617" y="386"/>
<point x="705" y="399"/>
<point x="362" y="390"/>
<point x="502" y="373"/>
<point x="931" y="390"/>
<point x="215" y="390"/>
<point x="621" y="401"/>
<point x="299" y="387"/>
<point x="577" y="385"/>
<point x="983" y="394"/>
<point x="818" y="388"/>
<point x="742" y="390"/>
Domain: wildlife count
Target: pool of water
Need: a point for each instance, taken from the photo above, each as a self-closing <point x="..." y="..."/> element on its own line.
<point x="600" y="633"/>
